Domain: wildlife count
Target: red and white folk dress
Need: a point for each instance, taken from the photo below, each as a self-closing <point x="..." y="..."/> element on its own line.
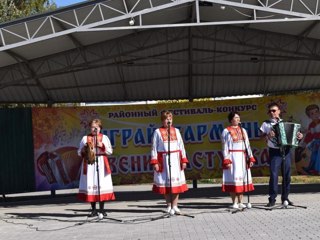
<point x="234" y="152"/>
<point x="160" y="155"/>
<point x="88" y="185"/>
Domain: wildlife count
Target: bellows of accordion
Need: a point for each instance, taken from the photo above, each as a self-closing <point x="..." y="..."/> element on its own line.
<point x="286" y="133"/>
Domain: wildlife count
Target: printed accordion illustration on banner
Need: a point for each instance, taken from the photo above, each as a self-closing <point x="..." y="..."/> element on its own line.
<point x="60" y="167"/>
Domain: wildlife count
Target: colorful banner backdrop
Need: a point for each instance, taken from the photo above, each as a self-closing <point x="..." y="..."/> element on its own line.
<point x="58" y="131"/>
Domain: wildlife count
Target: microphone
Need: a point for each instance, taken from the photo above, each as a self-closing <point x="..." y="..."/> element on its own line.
<point x="168" y="123"/>
<point x="95" y="129"/>
<point x="240" y="124"/>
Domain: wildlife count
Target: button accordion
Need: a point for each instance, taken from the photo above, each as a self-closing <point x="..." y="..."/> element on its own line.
<point x="286" y="134"/>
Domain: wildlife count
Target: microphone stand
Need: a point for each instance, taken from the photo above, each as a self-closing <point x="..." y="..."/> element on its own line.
<point x="284" y="190"/>
<point x="169" y="164"/>
<point x="283" y="165"/>
<point x="101" y="204"/>
<point x="97" y="167"/>
<point x="247" y="163"/>
<point x="282" y="149"/>
<point x="171" y="213"/>
<point x="170" y="184"/>
<point x="285" y="202"/>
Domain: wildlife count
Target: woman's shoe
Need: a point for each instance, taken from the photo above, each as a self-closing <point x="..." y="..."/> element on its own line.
<point x="235" y="206"/>
<point x="241" y="205"/>
<point x="93" y="213"/>
<point x="104" y="213"/>
<point x="176" y="210"/>
<point x="168" y="209"/>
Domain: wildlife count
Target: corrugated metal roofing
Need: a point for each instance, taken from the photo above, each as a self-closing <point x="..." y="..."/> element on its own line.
<point x="174" y="50"/>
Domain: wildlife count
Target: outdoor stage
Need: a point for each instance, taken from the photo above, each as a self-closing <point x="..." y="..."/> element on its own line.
<point x="135" y="215"/>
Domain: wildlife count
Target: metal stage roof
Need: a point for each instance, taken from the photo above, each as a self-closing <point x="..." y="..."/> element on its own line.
<point x="130" y="50"/>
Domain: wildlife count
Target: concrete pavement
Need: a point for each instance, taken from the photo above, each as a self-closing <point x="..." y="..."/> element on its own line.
<point x="138" y="214"/>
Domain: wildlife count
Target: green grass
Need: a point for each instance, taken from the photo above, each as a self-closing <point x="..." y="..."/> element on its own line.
<point x="294" y="179"/>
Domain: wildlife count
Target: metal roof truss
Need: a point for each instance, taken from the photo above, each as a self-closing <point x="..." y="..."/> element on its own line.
<point x="130" y="14"/>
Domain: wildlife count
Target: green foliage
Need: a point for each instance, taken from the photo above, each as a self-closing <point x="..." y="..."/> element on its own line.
<point x="307" y="179"/>
<point x="13" y="9"/>
<point x="184" y="100"/>
<point x="29" y="105"/>
<point x="8" y="11"/>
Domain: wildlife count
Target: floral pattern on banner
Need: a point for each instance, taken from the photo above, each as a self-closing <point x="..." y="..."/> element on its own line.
<point x="43" y="122"/>
<point x="86" y="116"/>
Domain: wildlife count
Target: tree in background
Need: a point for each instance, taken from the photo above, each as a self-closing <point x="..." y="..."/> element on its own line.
<point x="13" y="9"/>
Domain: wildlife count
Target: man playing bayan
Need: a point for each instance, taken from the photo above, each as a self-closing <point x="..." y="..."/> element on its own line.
<point x="275" y="156"/>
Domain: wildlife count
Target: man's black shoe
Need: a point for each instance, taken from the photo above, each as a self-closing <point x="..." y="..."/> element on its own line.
<point x="271" y="204"/>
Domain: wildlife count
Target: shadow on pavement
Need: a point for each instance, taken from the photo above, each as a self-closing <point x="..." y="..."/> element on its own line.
<point x="202" y="192"/>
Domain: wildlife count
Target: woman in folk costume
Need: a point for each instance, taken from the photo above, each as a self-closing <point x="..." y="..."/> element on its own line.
<point x="90" y="182"/>
<point x="161" y="166"/>
<point x="235" y="166"/>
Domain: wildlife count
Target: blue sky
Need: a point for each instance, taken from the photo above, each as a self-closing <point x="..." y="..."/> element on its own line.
<point x="63" y="3"/>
